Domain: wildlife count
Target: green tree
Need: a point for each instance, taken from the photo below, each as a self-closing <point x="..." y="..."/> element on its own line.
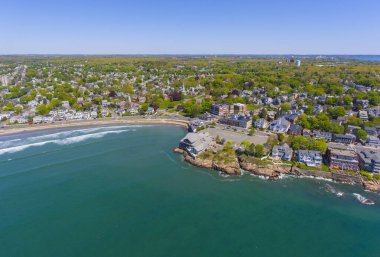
<point x="259" y="151"/>
<point x="361" y="134"/>
<point x="335" y="112"/>
<point x="281" y="137"/>
<point x="246" y="144"/>
<point x="251" y="150"/>
<point x="42" y="109"/>
<point x="285" y="107"/>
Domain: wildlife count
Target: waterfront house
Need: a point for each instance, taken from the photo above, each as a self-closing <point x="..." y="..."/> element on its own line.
<point x="195" y="143"/>
<point x="283" y="152"/>
<point x="310" y="158"/>
<point x="342" y="157"/>
<point x="69" y="116"/>
<point x="369" y="159"/>
<point x="5" y="116"/>
<point x="18" y="119"/>
<point x="38" y="119"/>
<point x="48" y="119"/>
<point x="86" y="115"/>
<point x="94" y="114"/>
<point x="150" y="111"/>
<point x="78" y="116"/>
<point x="133" y="110"/>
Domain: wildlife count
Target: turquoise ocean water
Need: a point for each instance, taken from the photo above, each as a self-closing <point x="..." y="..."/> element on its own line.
<point x="120" y="191"/>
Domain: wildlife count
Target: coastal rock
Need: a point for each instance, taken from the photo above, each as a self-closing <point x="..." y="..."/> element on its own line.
<point x="178" y="150"/>
<point x="230" y="168"/>
<point x="373" y="186"/>
<point x="268" y="170"/>
<point x="202" y="163"/>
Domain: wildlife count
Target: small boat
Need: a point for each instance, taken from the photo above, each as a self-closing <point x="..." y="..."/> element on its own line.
<point x="363" y="200"/>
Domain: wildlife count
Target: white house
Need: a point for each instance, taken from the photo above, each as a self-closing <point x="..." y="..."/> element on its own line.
<point x="19" y="119"/>
<point x="65" y="104"/>
<point x="261" y="123"/>
<point x="280" y="125"/>
<point x="38" y="119"/>
<point x="86" y="115"/>
<point x="94" y="114"/>
<point x="78" y="116"/>
<point x="48" y="119"/>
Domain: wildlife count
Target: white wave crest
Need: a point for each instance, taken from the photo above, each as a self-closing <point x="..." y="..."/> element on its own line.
<point x="318" y="178"/>
<point x="76" y="131"/>
<point x="64" y="141"/>
<point x="77" y="139"/>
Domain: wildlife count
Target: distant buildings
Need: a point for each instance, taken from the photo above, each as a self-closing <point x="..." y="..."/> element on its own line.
<point x="237" y="120"/>
<point x="225" y="109"/>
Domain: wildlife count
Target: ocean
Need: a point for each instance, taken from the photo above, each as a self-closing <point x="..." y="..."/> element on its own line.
<point x="121" y="191"/>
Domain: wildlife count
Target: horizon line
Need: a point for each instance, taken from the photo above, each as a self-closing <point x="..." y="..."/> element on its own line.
<point x="179" y="54"/>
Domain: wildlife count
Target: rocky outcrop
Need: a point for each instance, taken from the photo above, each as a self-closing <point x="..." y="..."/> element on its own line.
<point x="230" y="168"/>
<point x="202" y="163"/>
<point x="373" y="186"/>
<point x="272" y="171"/>
<point x="178" y="150"/>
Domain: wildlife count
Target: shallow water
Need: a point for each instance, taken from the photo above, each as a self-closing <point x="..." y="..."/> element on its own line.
<point x="120" y="191"/>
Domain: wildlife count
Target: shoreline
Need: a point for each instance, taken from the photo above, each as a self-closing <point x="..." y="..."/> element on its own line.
<point x="274" y="172"/>
<point x="19" y="129"/>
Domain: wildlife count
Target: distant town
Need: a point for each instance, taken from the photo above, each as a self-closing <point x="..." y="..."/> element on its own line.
<point x="313" y="114"/>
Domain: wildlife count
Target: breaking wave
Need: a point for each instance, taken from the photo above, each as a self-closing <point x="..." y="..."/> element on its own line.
<point x="57" y="139"/>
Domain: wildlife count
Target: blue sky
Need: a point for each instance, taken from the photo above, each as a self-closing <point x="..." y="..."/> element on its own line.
<point x="190" y="27"/>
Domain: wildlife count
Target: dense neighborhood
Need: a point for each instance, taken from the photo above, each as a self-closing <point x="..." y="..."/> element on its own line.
<point x="323" y="114"/>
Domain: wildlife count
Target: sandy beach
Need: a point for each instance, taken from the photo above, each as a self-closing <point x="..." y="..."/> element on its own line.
<point x="15" y="129"/>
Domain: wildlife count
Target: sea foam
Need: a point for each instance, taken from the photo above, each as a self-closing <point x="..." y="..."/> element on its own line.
<point x="59" y="141"/>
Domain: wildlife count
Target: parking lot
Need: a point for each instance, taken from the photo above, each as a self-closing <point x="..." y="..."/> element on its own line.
<point x="230" y="135"/>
